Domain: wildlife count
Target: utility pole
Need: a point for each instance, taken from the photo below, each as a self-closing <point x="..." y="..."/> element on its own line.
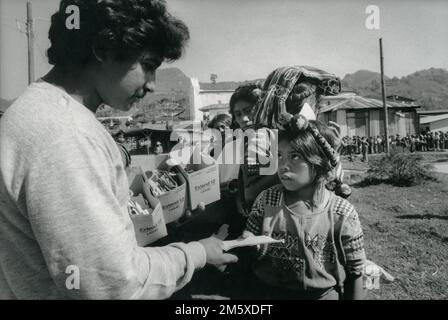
<point x="383" y="93"/>
<point x="30" y="36"/>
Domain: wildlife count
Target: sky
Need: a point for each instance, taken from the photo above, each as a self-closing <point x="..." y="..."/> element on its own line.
<point x="246" y="39"/>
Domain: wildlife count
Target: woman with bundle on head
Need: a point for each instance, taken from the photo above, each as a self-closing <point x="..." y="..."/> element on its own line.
<point x="296" y="90"/>
<point x="63" y="187"/>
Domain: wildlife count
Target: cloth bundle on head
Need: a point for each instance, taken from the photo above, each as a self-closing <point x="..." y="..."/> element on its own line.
<point x="290" y="96"/>
<point x="271" y="110"/>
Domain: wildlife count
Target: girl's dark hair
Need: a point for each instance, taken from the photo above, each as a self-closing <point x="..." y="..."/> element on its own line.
<point x="304" y="143"/>
<point x="120" y="27"/>
<point x="220" y="118"/>
<point x="249" y="92"/>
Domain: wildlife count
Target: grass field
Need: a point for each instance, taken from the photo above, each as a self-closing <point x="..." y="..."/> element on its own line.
<point x="406" y="232"/>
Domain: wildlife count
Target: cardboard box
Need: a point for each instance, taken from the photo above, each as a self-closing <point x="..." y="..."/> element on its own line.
<point x="148" y="228"/>
<point x="203" y="181"/>
<point x="174" y="203"/>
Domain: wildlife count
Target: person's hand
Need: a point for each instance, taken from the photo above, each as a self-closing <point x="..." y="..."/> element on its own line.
<point x="223" y="232"/>
<point x="247" y="234"/>
<point x="215" y="254"/>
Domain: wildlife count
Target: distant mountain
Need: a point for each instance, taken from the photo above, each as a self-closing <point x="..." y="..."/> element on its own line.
<point x="171" y="79"/>
<point x="172" y="91"/>
<point x="428" y="87"/>
<point x="360" y="79"/>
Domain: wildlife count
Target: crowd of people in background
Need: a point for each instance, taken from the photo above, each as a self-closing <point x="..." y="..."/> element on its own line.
<point x="426" y="141"/>
<point x="136" y="143"/>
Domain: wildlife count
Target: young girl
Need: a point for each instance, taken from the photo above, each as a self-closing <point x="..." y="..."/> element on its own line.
<point x="322" y="256"/>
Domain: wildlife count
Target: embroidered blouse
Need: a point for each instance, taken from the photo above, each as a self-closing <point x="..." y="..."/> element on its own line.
<point x="320" y="246"/>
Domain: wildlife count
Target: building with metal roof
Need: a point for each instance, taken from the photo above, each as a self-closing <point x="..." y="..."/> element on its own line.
<point x="435" y="123"/>
<point x="364" y="117"/>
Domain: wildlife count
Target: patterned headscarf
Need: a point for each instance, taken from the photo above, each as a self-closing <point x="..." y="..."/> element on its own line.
<point x="271" y="111"/>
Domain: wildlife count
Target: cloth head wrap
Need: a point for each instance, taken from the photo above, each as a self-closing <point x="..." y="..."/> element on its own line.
<point x="270" y="111"/>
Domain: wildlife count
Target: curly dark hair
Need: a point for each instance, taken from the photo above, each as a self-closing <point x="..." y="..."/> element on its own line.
<point x="120" y="27"/>
<point x="249" y="92"/>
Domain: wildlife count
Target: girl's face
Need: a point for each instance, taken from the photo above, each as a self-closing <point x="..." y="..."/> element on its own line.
<point x="242" y="111"/>
<point x="294" y="173"/>
<point x="123" y="84"/>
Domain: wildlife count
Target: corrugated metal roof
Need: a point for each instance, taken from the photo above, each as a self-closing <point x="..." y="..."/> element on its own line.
<point x="353" y="101"/>
<point x="430" y="119"/>
<point x="424" y="112"/>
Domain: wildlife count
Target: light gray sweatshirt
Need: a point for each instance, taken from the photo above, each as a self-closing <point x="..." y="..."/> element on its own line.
<point x="63" y="198"/>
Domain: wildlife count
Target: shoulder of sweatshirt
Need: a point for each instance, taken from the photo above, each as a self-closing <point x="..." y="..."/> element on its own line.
<point x="44" y="114"/>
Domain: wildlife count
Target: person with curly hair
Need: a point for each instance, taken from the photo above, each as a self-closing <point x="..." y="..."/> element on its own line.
<point x="64" y="227"/>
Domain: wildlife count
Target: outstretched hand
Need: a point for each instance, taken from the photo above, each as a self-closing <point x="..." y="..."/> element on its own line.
<point x="215" y="254"/>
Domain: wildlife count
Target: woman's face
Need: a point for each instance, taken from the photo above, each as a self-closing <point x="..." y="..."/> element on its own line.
<point x="294" y="172"/>
<point x="242" y="111"/>
<point x="123" y="84"/>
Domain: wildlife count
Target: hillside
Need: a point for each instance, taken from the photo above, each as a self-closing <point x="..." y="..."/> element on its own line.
<point x="428" y="87"/>
<point x="172" y="89"/>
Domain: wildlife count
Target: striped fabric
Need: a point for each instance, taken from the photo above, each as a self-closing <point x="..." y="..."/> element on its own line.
<point x="270" y="110"/>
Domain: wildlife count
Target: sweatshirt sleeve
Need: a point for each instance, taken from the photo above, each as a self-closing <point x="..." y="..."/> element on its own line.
<point x="75" y="207"/>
